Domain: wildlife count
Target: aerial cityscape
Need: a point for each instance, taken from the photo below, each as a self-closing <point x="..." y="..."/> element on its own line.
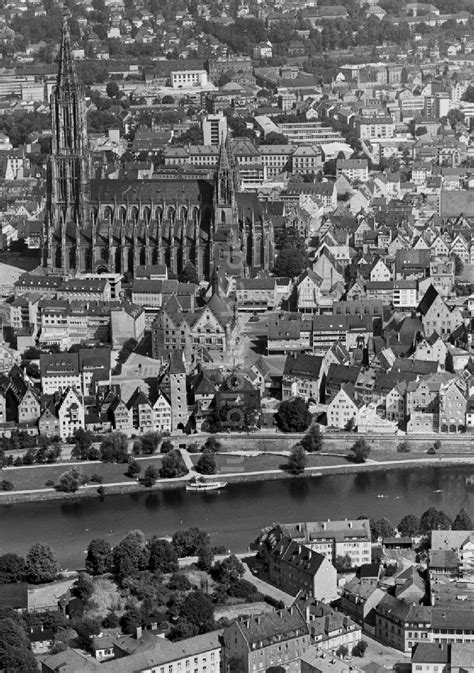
<point x="236" y="345"/>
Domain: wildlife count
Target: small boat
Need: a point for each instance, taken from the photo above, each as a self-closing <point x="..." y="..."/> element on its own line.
<point x="382" y="496"/>
<point x="199" y="484"/>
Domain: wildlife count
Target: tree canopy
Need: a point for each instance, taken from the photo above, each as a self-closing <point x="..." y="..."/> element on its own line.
<point x="99" y="557"/>
<point x="298" y="460"/>
<point x="293" y="415"/>
<point x="434" y="519"/>
<point x="361" y="450"/>
<point x="462" y="521"/>
<point x="290" y="262"/>
<point x="41" y="564"/>
<point x="409" y="526"/>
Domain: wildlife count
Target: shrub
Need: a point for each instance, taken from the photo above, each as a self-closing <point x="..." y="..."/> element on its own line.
<point x="6" y="485"/>
<point x="194" y="447"/>
<point x="96" y="478"/>
<point x="403" y="447"/>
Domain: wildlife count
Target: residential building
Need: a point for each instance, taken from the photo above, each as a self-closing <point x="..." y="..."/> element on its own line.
<point x="70" y="412"/>
<point x="329" y="538"/>
<point x="354" y="169"/>
<point x="343" y="410"/>
<point x="270" y="639"/>
<point x="302" y="377"/>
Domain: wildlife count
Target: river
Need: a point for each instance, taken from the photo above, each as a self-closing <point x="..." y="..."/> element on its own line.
<point x="235" y="515"/>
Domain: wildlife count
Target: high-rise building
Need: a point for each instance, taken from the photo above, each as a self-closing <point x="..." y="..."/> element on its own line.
<point x="214" y="129"/>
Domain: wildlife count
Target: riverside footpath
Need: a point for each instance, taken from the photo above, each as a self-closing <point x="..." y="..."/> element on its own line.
<point x="234" y="466"/>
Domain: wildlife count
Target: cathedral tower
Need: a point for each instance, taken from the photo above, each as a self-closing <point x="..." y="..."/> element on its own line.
<point x="69" y="168"/>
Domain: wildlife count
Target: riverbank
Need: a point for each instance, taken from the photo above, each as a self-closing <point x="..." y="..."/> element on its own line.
<point x="234" y="477"/>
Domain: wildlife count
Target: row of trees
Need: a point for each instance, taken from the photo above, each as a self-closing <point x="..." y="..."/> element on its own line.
<point x="37" y="567"/>
<point x="411" y="525"/>
<point x="134" y="553"/>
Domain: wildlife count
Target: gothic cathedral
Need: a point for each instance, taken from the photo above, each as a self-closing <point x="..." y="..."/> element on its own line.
<point x="114" y="225"/>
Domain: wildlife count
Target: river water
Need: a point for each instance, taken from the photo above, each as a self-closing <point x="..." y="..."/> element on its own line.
<point x="235" y="515"/>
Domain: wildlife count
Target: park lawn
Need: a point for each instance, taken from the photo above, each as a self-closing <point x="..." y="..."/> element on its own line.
<point x="227" y="463"/>
<point x="35" y="478"/>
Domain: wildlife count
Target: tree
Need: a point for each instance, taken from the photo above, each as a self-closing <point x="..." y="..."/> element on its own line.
<point x="133" y="469"/>
<point x="12" y="568"/>
<point x="150" y="476"/>
<point x="15" y="649"/>
<point x="342" y="651"/>
<point x="293" y="415"/>
<point x="167" y="100"/>
<point x="189" y="541"/>
<point x="313" y="439"/>
<point x="112" y="89"/>
<point x="298" y="460"/>
<point x="149" y="443"/>
<point x="166" y="446"/>
<point x="70" y="481"/>
<point x="111" y="621"/>
<point x="273" y="138"/>
<point x="434" y="519"/>
<point x="131" y="554"/>
<point x="205" y="558"/>
<point x="462" y="521"/>
<point x="83" y="440"/>
<point x="99" y="557"/>
<point x="197" y="609"/>
<point x="189" y="274"/>
<point x="163" y="557"/>
<point x="359" y="649"/>
<point x="228" y="570"/>
<point x="41" y="564"/>
<point x="383" y="528"/>
<point x="212" y="444"/>
<point x="6" y="485"/>
<point x="361" y="451"/>
<point x="409" y="526"/>
<point x="83" y="587"/>
<point x="343" y="563"/>
<point x="455" y="117"/>
<point x="173" y="465"/>
<point x="131" y="620"/>
<point x="290" y="263"/>
<point x="206" y="463"/>
<point x="114" y="449"/>
<point x="421" y="131"/>
<point x="86" y="628"/>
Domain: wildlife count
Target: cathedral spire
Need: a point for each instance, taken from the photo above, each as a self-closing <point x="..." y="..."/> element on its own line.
<point x="66" y="76"/>
<point x="225" y="188"/>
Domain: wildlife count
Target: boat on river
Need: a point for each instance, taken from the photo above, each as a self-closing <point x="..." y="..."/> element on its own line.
<point x="200" y="485"/>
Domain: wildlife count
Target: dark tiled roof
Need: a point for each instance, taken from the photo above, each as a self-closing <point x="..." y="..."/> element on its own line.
<point x="282" y="624"/>
<point x="303" y="365"/>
